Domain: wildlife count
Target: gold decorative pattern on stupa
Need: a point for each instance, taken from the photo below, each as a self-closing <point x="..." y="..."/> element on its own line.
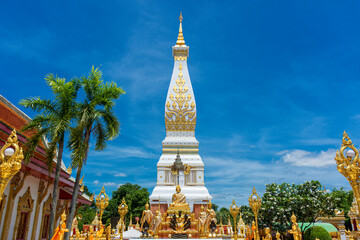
<point x="180" y="115"/>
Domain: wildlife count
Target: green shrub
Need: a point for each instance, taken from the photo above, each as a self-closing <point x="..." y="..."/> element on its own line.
<point x="317" y="232"/>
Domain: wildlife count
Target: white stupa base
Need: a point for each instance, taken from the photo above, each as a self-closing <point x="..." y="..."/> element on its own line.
<point x="193" y="194"/>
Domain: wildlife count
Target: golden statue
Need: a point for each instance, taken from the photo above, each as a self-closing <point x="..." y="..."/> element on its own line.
<point x="247" y="232"/>
<point x="210" y="216"/>
<point x="278" y="236"/>
<point x="91" y="233"/>
<point x="61" y="229"/>
<point x="295" y="230"/>
<point x="147" y="216"/>
<point x="253" y="230"/>
<point x="202" y="222"/>
<point x="157" y="223"/>
<point x="178" y="198"/>
<point x="108" y="232"/>
<point x="267" y="234"/>
<point x="100" y="231"/>
<point x="77" y="234"/>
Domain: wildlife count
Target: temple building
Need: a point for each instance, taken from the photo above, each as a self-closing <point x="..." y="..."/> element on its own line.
<point x="26" y="201"/>
<point x="180" y="162"/>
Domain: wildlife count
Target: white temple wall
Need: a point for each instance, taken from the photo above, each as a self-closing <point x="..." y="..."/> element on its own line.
<point x="33" y="183"/>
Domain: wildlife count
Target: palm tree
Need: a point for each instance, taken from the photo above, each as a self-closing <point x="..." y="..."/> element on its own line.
<point x="52" y="123"/>
<point x="95" y="117"/>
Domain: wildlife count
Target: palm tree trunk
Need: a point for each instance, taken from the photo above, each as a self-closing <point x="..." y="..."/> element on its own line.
<point x="76" y="187"/>
<point x="73" y="203"/>
<point x="55" y="190"/>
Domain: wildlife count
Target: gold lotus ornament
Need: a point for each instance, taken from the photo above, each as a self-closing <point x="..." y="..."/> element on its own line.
<point x="234" y="211"/>
<point x="255" y="204"/>
<point x="102" y="201"/>
<point x="349" y="165"/>
<point x="11" y="156"/>
<point x="122" y="209"/>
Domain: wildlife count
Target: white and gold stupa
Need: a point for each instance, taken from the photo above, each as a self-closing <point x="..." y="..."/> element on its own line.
<point x="180" y="162"/>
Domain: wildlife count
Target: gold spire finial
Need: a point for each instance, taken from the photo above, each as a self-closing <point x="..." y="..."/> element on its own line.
<point x="180" y="40"/>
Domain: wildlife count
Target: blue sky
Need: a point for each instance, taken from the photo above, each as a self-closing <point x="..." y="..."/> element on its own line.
<point x="275" y="82"/>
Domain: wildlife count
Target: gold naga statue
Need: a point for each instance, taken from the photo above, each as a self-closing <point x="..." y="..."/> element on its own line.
<point x="61" y="229"/>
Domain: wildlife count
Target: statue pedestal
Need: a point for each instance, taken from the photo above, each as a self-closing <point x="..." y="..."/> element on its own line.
<point x="174" y="209"/>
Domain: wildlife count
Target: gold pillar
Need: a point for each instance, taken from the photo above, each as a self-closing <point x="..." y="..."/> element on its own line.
<point x="102" y="201"/>
<point x="349" y="165"/>
<point x="2" y="206"/>
<point x="234" y="211"/>
<point x="122" y="209"/>
<point x="11" y="156"/>
<point x="255" y="204"/>
<point x="15" y="185"/>
<point x="42" y="191"/>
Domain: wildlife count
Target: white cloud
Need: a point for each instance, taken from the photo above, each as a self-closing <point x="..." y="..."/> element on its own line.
<point x="96" y="182"/>
<point x="303" y="158"/>
<point x="110" y="184"/>
<point x="120" y="174"/>
<point x="115" y="152"/>
<point x="233" y="178"/>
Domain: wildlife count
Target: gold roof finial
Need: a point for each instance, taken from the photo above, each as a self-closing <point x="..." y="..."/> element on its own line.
<point x="180" y="40"/>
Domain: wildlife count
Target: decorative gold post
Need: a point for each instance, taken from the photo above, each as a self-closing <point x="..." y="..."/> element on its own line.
<point x="102" y="201"/>
<point x="122" y="209"/>
<point x="255" y="204"/>
<point x="349" y="165"/>
<point x="11" y="156"/>
<point x="234" y="211"/>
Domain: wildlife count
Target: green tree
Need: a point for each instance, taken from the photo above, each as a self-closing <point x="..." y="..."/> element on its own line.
<point x="317" y="232"/>
<point x="343" y="201"/>
<point x="222" y="216"/>
<point x="307" y="201"/>
<point x="95" y="117"/>
<point x="52" y="122"/>
<point x="87" y="212"/>
<point x="135" y="196"/>
<point x="247" y="214"/>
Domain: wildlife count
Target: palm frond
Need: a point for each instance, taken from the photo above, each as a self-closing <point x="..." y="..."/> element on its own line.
<point x="51" y="153"/>
<point x="33" y="143"/>
<point x="38" y="122"/>
<point x="39" y="105"/>
<point x="112" y="124"/>
<point x="100" y="135"/>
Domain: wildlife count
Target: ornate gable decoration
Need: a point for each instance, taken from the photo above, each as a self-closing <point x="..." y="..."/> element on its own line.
<point x="180" y="115"/>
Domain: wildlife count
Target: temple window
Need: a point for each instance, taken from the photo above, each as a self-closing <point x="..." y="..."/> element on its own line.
<point x="45" y="227"/>
<point x="44" y="230"/>
<point x="24" y="209"/>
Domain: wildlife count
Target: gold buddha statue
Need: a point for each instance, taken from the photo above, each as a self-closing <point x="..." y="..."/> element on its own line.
<point x="179" y="200"/>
